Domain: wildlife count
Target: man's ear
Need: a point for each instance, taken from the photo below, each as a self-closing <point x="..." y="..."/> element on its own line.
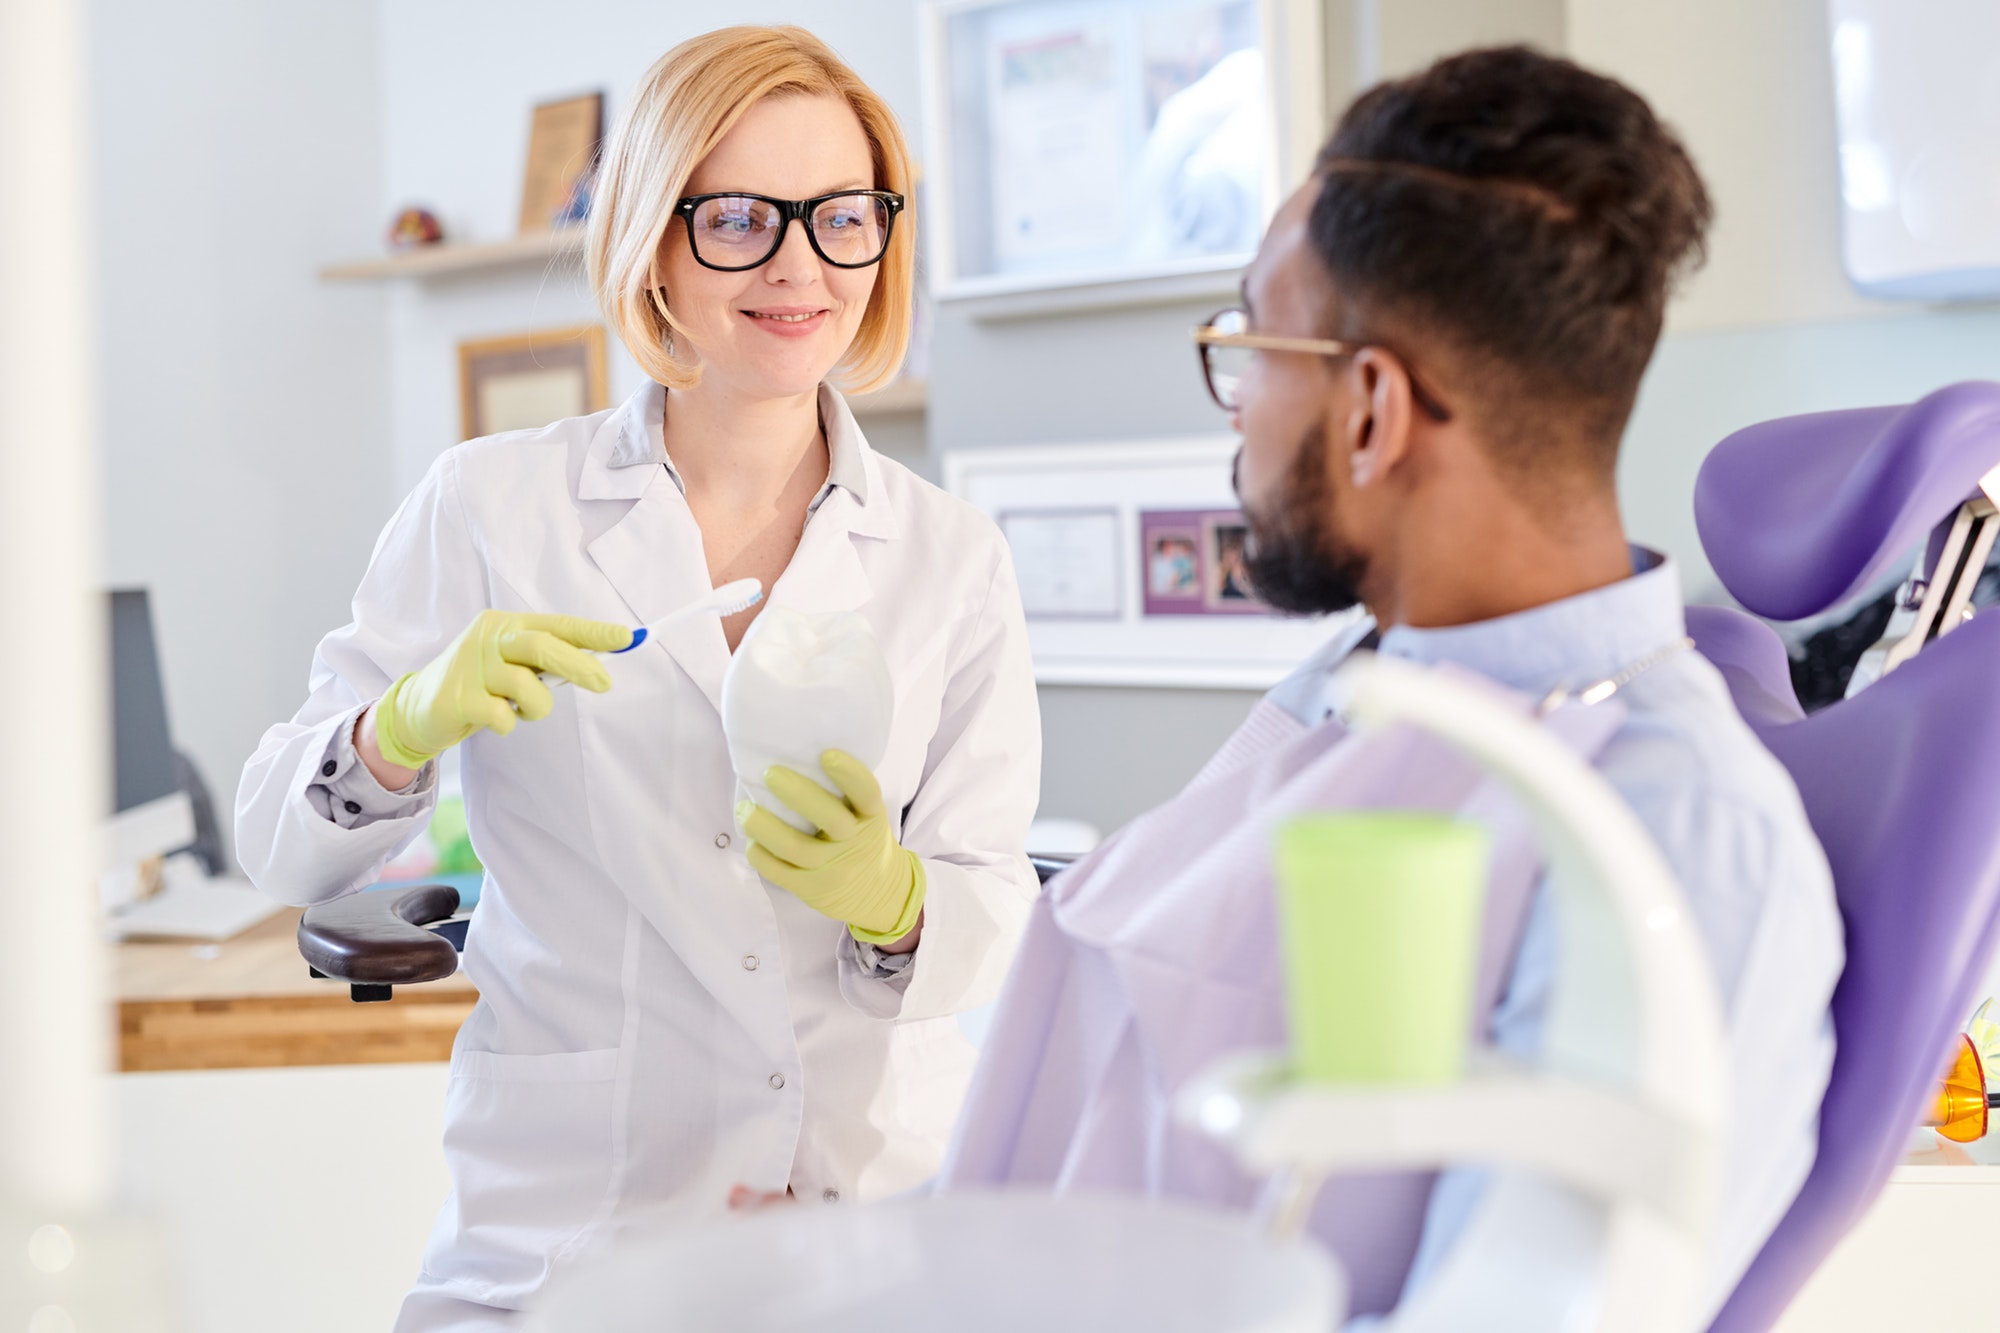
<point x="1378" y="434"/>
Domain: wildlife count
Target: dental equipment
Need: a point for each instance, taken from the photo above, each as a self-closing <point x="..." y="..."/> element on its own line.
<point x="1605" y="1155"/>
<point x="1799" y="516"/>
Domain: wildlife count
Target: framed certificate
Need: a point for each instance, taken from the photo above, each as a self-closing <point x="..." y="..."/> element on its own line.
<point x="1066" y="561"/>
<point x="530" y="379"/>
<point x="1076" y="142"/>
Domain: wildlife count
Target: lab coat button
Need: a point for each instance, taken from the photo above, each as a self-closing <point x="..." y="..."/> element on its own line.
<point x="722" y="840"/>
<point x="777" y="1081"/>
<point x="749" y="962"/>
<point x="326" y="769"/>
<point x="830" y="1195"/>
<point x="354" y="807"/>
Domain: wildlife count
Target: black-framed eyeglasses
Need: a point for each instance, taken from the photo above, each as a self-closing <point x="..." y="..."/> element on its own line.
<point x="733" y="232"/>
<point x="1225" y="345"/>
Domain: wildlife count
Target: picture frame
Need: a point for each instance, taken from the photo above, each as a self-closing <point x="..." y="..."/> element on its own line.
<point x="563" y="139"/>
<point x="1175" y="116"/>
<point x="1191" y="632"/>
<point x="1194" y="563"/>
<point x="526" y="380"/>
<point x="1067" y="561"/>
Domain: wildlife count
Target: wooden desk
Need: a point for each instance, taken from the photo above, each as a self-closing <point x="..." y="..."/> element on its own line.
<point x="249" y="1003"/>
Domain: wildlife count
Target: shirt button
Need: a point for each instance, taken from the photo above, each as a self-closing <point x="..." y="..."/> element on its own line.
<point x="749" y="962"/>
<point x="777" y="1081"/>
<point x="722" y="840"/>
<point x="354" y="807"/>
<point x="326" y="769"/>
<point x="830" y="1195"/>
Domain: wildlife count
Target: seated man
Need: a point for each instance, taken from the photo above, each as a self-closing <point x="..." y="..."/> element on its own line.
<point x="1491" y="243"/>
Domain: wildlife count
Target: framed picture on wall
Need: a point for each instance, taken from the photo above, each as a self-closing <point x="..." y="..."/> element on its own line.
<point x="1066" y="562"/>
<point x="1074" y="142"/>
<point x="562" y="153"/>
<point x="1194" y="563"/>
<point x="1176" y="609"/>
<point x="527" y="380"/>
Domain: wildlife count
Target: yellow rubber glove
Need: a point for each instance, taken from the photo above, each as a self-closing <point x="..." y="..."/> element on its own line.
<point x="488" y="678"/>
<point x="852" y="870"/>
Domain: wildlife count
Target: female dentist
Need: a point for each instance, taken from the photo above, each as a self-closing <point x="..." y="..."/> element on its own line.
<point x="658" y="1024"/>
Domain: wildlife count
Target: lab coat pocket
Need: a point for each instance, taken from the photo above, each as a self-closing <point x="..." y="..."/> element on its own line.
<point x="529" y="1139"/>
<point x="932" y="1062"/>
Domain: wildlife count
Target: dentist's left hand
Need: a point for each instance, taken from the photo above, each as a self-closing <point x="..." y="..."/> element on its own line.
<point x="853" y="869"/>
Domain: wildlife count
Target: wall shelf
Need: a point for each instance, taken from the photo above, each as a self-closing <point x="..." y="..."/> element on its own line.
<point x="899" y="395"/>
<point x="437" y="261"/>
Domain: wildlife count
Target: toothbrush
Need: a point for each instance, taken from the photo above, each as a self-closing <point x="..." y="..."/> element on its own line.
<point x="730" y="598"/>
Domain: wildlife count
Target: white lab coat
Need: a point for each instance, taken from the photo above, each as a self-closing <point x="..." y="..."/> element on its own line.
<point x="656" y="1023"/>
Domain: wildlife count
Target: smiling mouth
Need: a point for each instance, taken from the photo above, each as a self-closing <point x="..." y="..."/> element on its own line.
<point x="785" y="319"/>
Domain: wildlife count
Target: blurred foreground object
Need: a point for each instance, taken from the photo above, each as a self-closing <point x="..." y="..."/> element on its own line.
<point x="971" y="1263"/>
<point x="66" y="1266"/>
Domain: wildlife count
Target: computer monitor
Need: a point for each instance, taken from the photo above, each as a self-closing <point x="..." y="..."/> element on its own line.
<point x="150" y="814"/>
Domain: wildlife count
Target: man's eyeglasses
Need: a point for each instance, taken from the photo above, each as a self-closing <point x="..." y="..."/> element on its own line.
<point x="733" y="232"/>
<point x="1225" y="345"/>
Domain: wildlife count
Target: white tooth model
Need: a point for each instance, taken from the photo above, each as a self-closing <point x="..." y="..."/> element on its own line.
<point x="1604" y="1156"/>
<point x="802" y="683"/>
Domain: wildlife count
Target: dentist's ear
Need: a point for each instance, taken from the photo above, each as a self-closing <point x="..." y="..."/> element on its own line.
<point x="1379" y="425"/>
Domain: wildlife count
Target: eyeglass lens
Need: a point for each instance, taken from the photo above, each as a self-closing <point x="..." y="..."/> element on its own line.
<point x="742" y="232"/>
<point x="1225" y="365"/>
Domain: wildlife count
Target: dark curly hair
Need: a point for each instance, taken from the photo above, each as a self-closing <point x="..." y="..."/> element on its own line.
<point x="1529" y="215"/>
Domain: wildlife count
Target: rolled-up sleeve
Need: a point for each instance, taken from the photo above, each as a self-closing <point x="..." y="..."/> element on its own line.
<point x="350" y="796"/>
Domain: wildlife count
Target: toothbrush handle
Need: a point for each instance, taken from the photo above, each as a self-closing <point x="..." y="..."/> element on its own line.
<point x="714" y="604"/>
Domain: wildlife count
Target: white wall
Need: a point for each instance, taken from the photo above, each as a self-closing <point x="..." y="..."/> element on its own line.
<point x="1770" y="327"/>
<point x="458" y="80"/>
<point x="235" y="149"/>
<point x="1750" y="88"/>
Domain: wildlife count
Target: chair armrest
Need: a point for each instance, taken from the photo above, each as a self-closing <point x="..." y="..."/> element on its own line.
<point x="373" y="941"/>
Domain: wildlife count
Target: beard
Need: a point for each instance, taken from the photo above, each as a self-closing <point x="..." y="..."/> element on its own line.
<point x="1295" y="558"/>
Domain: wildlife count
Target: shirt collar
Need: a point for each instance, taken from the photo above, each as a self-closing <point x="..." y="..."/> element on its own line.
<point x="642" y="442"/>
<point x="1565" y="644"/>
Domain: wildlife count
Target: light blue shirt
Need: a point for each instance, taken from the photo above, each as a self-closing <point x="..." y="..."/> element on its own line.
<point x="1729" y="821"/>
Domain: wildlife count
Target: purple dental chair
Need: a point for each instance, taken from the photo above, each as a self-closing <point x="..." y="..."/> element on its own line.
<point x="1900" y="778"/>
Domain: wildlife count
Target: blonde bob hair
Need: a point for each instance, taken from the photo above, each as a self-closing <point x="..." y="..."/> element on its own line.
<point x="691" y="97"/>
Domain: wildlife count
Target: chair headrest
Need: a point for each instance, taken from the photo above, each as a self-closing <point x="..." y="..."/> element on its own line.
<point x="1799" y="514"/>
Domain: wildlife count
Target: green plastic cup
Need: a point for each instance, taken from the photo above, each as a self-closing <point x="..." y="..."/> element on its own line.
<point x="1380" y="914"/>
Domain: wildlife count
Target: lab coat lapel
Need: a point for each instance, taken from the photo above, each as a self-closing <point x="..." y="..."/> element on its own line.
<point x="825" y="573"/>
<point x="653" y="555"/>
<point x="654" y="558"/>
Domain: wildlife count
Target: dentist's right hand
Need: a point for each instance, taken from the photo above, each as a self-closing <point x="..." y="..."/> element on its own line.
<point x="488" y="678"/>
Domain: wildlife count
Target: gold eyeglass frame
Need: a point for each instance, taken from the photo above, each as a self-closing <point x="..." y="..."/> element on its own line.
<point x="1207" y="336"/>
